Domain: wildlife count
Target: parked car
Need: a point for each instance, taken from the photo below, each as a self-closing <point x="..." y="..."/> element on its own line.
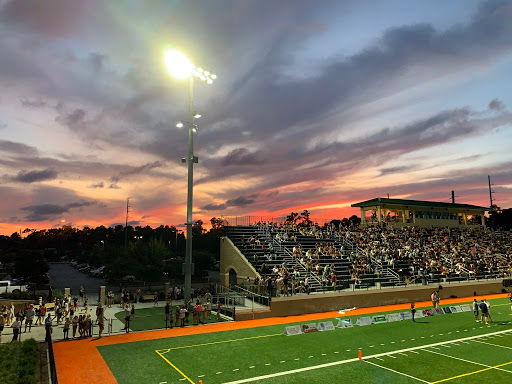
<point x="128" y="278"/>
<point x="98" y="272"/>
<point x="7" y="286"/>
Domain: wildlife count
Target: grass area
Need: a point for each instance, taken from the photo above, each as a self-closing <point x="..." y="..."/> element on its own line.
<point x="154" y="318"/>
<point x="18" y="362"/>
<point x="449" y="348"/>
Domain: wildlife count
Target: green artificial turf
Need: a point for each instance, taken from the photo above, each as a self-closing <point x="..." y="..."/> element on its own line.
<point x="154" y="318"/>
<point x="238" y="355"/>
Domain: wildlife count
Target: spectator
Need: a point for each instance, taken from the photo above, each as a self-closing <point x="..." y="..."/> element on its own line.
<point x="29" y="318"/>
<point x="101" y="324"/>
<point x="127" y="315"/>
<point x="67" y="323"/>
<point x="16" y="328"/>
<point x="48" y="327"/>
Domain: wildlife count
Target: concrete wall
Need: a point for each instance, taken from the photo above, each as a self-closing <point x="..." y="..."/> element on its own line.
<point x="302" y="304"/>
<point x="232" y="258"/>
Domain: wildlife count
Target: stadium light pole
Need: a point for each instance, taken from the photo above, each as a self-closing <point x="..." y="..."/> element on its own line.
<point x="180" y="67"/>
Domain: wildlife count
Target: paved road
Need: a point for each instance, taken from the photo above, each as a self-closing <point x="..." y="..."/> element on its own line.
<point x="63" y="275"/>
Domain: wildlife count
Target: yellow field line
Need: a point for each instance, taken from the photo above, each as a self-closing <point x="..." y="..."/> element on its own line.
<point x="220" y="342"/>
<point x="175" y="367"/>
<point x="472" y="373"/>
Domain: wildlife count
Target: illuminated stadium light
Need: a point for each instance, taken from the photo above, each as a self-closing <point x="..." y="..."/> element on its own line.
<point x="180" y="67"/>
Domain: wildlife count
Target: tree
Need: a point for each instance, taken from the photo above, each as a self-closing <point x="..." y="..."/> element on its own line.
<point x="305" y="218"/>
<point x="292" y="218"/>
<point x="217" y="223"/>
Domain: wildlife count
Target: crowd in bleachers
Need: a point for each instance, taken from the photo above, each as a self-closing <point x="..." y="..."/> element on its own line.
<point x="337" y="256"/>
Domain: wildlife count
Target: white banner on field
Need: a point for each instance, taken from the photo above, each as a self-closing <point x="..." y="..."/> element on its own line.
<point x="393" y="317"/>
<point x="326" y="326"/>
<point x="345" y="323"/>
<point x="364" y="321"/>
<point x="292" y="330"/>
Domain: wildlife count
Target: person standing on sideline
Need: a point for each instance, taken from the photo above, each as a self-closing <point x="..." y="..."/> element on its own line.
<point x="475" y="310"/>
<point x="413" y="311"/>
<point x="488" y="310"/>
<point x="75" y="325"/>
<point x="29" y="318"/>
<point x="218" y="309"/>
<point x="101" y="324"/>
<point x="168" y="314"/>
<point x="127" y="314"/>
<point x="48" y="327"/>
<point x="485" y="312"/>
<point x="16" y="328"/>
<point x="137" y="293"/>
<point x="183" y="312"/>
<point x="510" y="298"/>
<point x="433" y="298"/>
<point x="65" y="330"/>
<point x="155" y="299"/>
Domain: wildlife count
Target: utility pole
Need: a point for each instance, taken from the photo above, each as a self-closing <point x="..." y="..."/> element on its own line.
<point x="126" y="225"/>
<point x="491" y="191"/>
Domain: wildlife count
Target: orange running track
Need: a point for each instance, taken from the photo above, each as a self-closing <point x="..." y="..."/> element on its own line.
<point x="79" y="361"/>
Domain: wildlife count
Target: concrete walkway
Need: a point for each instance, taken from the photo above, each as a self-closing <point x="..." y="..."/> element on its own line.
<point x="38" y="332"/>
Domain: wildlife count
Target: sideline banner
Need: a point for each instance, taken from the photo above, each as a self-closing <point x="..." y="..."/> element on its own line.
<point x="393" y="317"/>
<point x="308" y="328"/>
<point x="466" y="308"/>
<point x="345" y="323"/>
<point x="406" y="315"/>
<point x="362" y="321"/>
<point x="292" y="330"/>
<point x="326" y="326"/>
<point x="379" y="319"/>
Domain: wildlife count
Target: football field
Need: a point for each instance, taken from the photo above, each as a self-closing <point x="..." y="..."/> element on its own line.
<point x="452" y="347"/>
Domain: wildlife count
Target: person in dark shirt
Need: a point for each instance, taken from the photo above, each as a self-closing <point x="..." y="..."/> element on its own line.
<point x="485" y="311"/>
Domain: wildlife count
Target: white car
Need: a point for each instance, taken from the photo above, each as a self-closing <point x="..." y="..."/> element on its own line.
<point x="7" y="286"/>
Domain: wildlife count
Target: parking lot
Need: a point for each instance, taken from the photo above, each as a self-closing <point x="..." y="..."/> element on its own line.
<point x="63" y="275"/>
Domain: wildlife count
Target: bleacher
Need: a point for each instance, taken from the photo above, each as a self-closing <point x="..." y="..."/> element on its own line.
<point x="374" y="256"/>
<point x="282" y="253"/>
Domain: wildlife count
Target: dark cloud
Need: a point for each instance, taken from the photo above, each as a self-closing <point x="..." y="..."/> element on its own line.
<point x="97" y="61"/>
<point x="214" y="207"/>
<point x="17" y="148"/>
<point x="35" y="176"/>
<point x="75" y="120"/>
<point x="401" y="169"/>
<point x="51" y="17"/>
<point x="242" y="156"/>
<point x="42" y="212"/>
<point x="496" y="105"/>
<point x="141" y="169"/>
<point x="240" y="201"/>
<point x="33" y="103"/>
<point x="101" y="184"/>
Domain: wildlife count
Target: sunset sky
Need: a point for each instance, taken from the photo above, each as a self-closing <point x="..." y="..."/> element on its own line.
<point x="317" y="105"/>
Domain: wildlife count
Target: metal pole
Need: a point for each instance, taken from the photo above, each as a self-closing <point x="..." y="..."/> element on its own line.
<point x="188" y="253"/>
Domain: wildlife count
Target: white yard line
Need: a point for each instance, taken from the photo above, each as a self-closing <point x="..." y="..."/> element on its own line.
<point x="466" y="361"/>
<point x="335" y="363"/>
<point x="400" y="373"/>
<point x="494" y="345"/>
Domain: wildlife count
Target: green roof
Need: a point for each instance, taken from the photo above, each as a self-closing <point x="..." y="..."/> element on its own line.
<point x="418" y="203"/>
